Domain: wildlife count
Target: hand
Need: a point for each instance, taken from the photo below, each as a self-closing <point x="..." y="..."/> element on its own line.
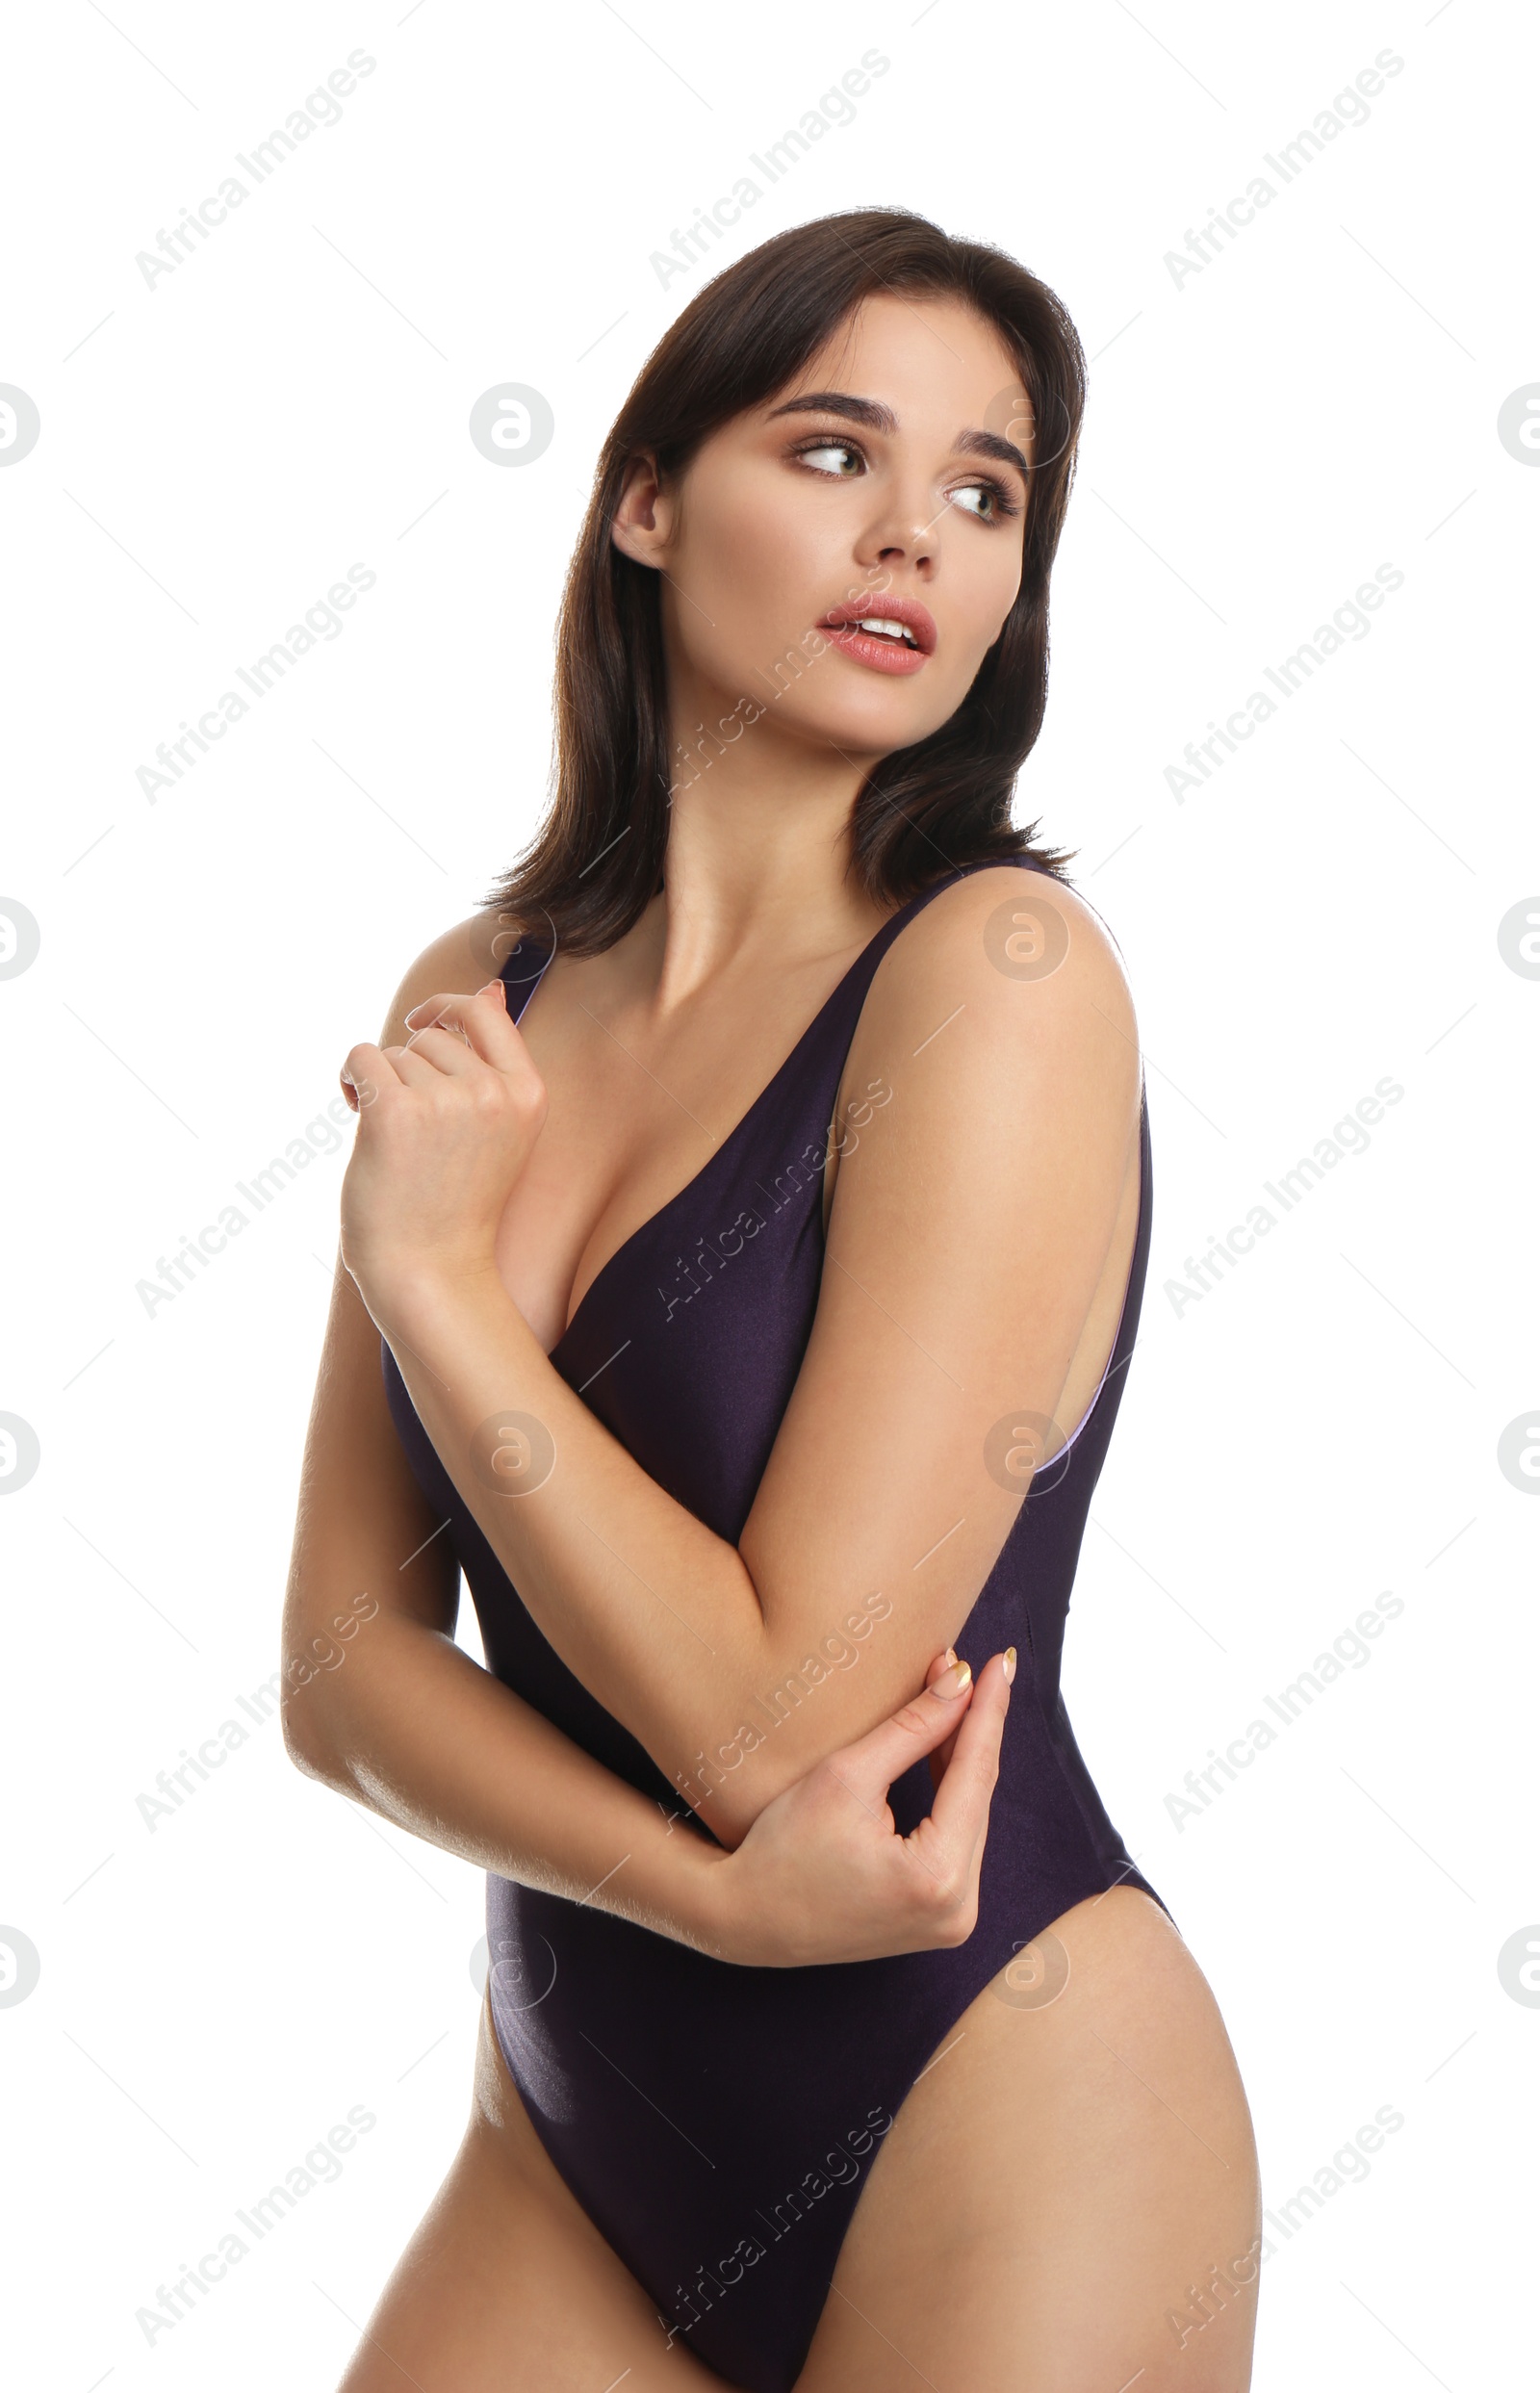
<point x="446" y="1125"/>
<point x="823" y="1875"/>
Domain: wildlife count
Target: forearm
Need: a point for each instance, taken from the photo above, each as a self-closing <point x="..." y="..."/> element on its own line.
<point x="654" y="1613"/>
<point x="410" y="1725"/>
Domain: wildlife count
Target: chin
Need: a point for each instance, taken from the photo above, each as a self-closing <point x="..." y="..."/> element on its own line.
<point x="875" y="723"/>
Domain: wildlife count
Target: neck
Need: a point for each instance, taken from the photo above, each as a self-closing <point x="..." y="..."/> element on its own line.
<point x="757" y="865"/>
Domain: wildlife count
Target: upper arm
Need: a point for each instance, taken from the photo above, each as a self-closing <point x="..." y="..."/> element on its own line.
<point x="364" y="1533"/>
<point x="968" y="1248"/>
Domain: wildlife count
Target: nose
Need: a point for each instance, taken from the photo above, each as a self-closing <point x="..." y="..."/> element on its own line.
<point x="902" y="534"/>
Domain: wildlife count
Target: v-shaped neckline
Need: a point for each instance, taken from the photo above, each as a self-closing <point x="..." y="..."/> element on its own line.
<point x="691" y="1186"/>
<point x="737" y="1131"/>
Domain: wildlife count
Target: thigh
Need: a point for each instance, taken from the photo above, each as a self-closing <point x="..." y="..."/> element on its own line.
<point x="1064" y="2196"/>
<point x="507" y="2284"/>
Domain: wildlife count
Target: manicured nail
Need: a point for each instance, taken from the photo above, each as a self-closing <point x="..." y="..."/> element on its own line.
<point x="1009" y="1663"/>
<point x="952" y="1683"/>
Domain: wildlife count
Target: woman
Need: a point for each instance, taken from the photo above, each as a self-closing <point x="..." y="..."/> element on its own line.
<point x="757" y="1254"/>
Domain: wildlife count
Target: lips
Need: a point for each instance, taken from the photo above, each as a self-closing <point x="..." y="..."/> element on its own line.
<point x="891" y="634"/>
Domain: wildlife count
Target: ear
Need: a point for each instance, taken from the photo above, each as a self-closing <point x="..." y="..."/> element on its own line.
<point x="643" y="522"/>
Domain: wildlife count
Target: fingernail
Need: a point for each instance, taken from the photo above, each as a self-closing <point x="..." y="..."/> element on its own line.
<point x="951" y="1683"/>
<point x="1009" y="1663"/>
<point x="951" y="1656"/>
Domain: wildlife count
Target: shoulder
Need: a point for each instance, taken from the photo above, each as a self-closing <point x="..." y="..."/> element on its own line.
<point x="460" y="960"/>
<point x="1030" y="961"/>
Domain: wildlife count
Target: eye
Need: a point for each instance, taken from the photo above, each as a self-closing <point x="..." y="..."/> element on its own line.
<point x="837" y="458"/>
<point x="998" y="502"/>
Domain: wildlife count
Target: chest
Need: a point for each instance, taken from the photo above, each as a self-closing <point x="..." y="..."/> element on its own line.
<point x="679" y="1303"/>
<point x="687" y="1341"/>
<point x="596" y="1186"/>
<point x="627" y="1135"/>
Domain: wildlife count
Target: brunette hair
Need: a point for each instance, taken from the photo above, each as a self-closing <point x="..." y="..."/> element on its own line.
<point x="597" y="860"/>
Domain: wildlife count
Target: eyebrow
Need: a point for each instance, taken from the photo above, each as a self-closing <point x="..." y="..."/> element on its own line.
<point x="877" y="417"/>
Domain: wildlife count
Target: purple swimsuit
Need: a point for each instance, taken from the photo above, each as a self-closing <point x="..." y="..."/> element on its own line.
<point x="717" y="2123"/>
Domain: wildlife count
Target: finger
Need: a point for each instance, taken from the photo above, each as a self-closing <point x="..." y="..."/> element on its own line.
<point x="422" y="1072"/>
<point x="447" y="1050"/>
<point x="942" y="1754"/>
<point x="366" y="1070"/>
<point x="916" y="1729"/>
<point x="482" y="1018"/>
<point x="446" y="1003"/>
<point x="437" y="1015"/>
<point x="959" y="1816"/>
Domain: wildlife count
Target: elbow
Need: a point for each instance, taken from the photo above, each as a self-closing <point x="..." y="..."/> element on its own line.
<point x="299" y="1749"/>
<point x="727" y="1785"/>
<point x="728" y="1826"/>
<point x="304" y="1737"/>
<point x="728" y="1798"/>
<point x="709" y="1788"/>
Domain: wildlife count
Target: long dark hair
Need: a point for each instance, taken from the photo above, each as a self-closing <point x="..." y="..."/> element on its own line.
<point x="597" y="860"/>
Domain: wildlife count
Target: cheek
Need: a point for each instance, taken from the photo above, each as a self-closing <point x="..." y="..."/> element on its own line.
<point x="761" y="570"/>
<point x="977" y="587"/>
<point x="764" y="560"/>
<point x="991" y="589"/>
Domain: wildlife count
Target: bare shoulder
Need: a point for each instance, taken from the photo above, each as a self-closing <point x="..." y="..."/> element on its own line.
<point x="462" y="959"/>
<point x="1031" y="966"/>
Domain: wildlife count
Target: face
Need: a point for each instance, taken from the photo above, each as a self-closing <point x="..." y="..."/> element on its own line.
<point x="884" y="484"/>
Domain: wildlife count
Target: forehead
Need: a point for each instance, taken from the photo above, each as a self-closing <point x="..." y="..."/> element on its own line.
<point x="933" y="360"/>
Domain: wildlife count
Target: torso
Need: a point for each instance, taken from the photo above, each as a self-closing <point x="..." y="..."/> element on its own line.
<point x="633" y="1118"/>
<point x="695" y="1392"/>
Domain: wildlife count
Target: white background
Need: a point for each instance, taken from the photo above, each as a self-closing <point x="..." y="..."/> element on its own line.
<point x="1323" y="911"/>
